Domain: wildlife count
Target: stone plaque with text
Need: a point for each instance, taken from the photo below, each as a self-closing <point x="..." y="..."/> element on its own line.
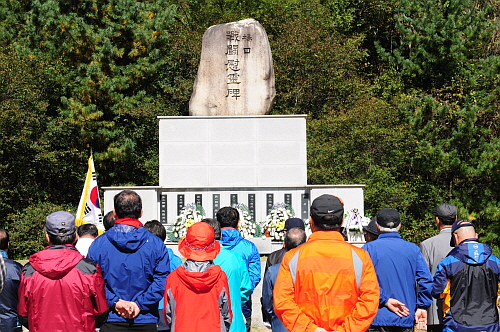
<point x="235" y="75"/>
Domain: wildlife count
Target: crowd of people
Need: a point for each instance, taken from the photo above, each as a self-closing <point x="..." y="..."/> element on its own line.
<point x="127" y="279"/>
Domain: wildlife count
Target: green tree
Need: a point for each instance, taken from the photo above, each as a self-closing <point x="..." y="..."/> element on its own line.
<point x="112" y="55"/>
<point x="36" y="150"/>
<point x="27" y="229"/>
<point x="450" y="75"/>
<point x="436" y="39"/>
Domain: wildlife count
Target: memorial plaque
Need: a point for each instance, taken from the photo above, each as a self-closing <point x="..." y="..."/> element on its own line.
<point x="288" y="199"/>
<point x="269" y="202"/>
<point x="198" y="199"/>
<point x="216" y="204"/>
<point x="163" y="209"/>
<point x="234" y="199"/>
<point x="235" y="75"/>
<point x="251" y="206"/>
<point x="180" y="203"/>
<point x="304" y="213"/>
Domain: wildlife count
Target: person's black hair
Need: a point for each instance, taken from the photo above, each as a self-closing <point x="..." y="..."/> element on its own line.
<point x="294" y="237"/>
<point x="446" y="220"/>
<point x="215" y="225"/>
<point x="328" y="223"/>
<point x="64" y="239"/>
<point x="4" y="239"/>
<point x="89" y="229"/>
<point x="155" y="227"/>
<point x="228" y="217"/>
<point x="128" y="204"/>
<point x="108" y="221"/>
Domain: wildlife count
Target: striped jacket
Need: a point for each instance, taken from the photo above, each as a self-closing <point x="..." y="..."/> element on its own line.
<point x="326" y="283"/>
<point x="468" y="281"/>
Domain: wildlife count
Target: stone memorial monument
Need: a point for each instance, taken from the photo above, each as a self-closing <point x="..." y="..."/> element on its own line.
<point x="230" y="150"/>
<point x="235" y="75"/>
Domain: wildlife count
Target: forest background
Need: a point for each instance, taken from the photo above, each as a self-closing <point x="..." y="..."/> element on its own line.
<point x="402" y="96"/>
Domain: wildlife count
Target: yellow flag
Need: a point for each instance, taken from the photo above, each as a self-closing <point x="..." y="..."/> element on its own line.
<point x="89" y="209"/>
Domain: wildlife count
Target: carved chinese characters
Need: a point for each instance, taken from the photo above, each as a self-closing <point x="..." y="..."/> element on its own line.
<point x="236" y="75"/>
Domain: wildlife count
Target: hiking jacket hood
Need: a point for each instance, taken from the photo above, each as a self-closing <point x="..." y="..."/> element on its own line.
<point x="61" y="290"/>
<point x="199" y="282"/>
<point x="52" y="264"/>
<point x="127" y="242"/>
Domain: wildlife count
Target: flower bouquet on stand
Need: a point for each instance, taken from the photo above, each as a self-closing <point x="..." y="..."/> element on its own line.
<point x="190" y="214"/>
<point x="274" y="224"/>
<point x="247" y="227"/>
<point x="353" y="225"/>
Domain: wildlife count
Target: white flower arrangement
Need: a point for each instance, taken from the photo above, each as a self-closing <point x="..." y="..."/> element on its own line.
<point x="190" y="214"/>
<point x="275" y="221"/>
<point x="353" y="225"/>
<point x="247" y="227"/>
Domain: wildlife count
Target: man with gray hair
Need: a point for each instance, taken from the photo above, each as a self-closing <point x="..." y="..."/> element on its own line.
<point x="294" y="237"/>
<point x="400" y="267"/>
<point x="434" y="249"/>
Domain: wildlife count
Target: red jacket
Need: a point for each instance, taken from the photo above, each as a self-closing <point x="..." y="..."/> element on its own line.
<point x="61" y="290"/>
<point x="197" y="301"/>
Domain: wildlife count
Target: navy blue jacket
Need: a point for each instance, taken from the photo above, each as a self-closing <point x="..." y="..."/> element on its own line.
<point x="134" y="265"/>
<point x="267" y="297"/>
<point x="8" y="297"/>
<point x="468" y="280"/>
<point x="400" y="266"/>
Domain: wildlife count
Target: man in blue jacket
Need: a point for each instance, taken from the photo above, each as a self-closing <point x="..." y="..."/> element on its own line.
<point x="135" y="265"/>
<point x="400" y="267"/>
<point x="228" y="218"/>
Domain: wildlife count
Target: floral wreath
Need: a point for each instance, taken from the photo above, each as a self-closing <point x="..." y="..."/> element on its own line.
<point x="274" y="224"/>
<point x="354" y="221"/>
<point x="190" y="214"/>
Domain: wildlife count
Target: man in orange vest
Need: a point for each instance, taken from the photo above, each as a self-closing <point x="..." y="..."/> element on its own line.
<point x="326" y="284"/>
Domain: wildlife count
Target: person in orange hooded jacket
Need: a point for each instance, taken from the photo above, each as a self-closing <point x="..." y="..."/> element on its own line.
<point x="326" y="284"/>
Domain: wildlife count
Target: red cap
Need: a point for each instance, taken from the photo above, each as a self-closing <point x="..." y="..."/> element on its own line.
<point x="199" y="243"/>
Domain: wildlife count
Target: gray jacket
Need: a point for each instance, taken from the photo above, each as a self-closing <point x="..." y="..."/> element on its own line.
<point x="434" y="249"/>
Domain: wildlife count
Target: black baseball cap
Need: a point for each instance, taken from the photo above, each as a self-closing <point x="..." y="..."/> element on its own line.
<point x="294" y="223"/>
<point x="388" y="218"/>
<point x="327" y="205"/>
<point x="459" y="224"/>
<point x="371" y="227"/>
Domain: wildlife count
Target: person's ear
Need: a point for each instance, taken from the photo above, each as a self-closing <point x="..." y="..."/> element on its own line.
<point x="311" y="223"/>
